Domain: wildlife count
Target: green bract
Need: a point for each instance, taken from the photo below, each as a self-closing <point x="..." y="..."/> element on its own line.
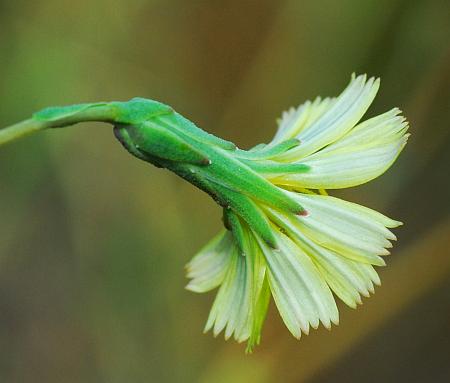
<point x="284" y="236"/>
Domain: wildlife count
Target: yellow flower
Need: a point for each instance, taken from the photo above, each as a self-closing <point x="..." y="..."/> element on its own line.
<point x="285" y="237"/>
<point x="330" y="248"/>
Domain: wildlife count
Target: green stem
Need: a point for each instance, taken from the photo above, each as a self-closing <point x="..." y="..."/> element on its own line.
<point x="58" y="117"/>
<point x="21" y="129"/>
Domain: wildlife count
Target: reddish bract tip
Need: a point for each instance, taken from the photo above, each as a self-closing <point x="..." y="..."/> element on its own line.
<point x="303" y="213"/>
<point x="206" y="161"/>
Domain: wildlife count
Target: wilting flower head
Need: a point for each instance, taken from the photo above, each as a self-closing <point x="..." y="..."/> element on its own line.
<point x="328" y="245"/>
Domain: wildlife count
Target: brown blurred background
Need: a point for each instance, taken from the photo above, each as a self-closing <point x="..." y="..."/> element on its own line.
<point x="93" y="242"/>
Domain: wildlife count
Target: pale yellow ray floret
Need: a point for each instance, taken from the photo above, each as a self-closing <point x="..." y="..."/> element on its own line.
<point x="331" y="120"/>
<point x="344" y="155"/>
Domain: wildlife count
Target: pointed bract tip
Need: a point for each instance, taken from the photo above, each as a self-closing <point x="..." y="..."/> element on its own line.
<point x="273" y="245"/>
<point x="303" y="213"/>
<point x="206" y="161"/>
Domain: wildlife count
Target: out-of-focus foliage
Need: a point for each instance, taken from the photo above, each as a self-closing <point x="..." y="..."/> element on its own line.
<point x="93" y="242"/>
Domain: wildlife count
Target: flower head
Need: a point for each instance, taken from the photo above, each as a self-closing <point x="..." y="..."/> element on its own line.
<point x="328" y="246"/>
<point x="284" y="237"/>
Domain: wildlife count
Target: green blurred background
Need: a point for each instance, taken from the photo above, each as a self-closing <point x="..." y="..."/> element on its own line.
<point x="93" y="242"/>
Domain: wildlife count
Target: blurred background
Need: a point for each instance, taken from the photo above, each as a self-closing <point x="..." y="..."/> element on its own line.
<point x="93" y="242"/>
